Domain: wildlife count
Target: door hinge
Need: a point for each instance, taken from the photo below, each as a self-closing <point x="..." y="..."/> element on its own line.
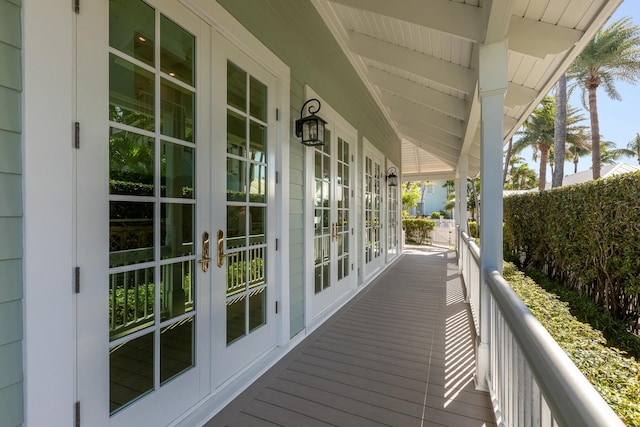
<point x="76" y="6"/>
<point x="277" y="114"/>
<point x="76" y="135"/>
<point x="352" y="231"/>
<point x="277" y="244"/>
<point x="351" y="266"/>
<point x="352" y="194"/>
<point x="76" y="280"/>
<point x="276" y="307"/>
<point x="76" y="415"/>
<point x="352" y="159"/>
<point x="277" y="177"/>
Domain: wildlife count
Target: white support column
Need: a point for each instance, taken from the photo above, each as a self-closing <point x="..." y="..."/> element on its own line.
<point x="461" y="203"/>
<point x="493" y="85"/>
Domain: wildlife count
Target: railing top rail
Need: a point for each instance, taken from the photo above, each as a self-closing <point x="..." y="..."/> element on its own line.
<point x="570" y="395"/>
<point x="475" y="249"/>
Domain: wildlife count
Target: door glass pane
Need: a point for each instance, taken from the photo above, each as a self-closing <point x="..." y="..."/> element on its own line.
<point x="177" y="292"/>
<point x="131" y="301"/>
<point x="130" y="371"/>
<point x="236" y="87"/>
<point x="131" y="163"/>
<point x="236" y="180"/>
<point x="177" y="111"/>
<point x="236" y="134"/>
<point x="131" y="94"/>
<point x="256" y="267"/>
<point x="177" y="171"/>
<point x="176" y="237"/>
<point x="176" y="349"/>
<point x="236" y="318"/>
<point x="130" y="233"/>
<point x="258" y="107"/>
<point x="258" y="142"/>
<point x="257" y="308"/>
<point x="236" y="273"/>
<point x="236" y="226"/>
<point x="257" y="225"/>
<point x="177" y="52"/>
<point x="258" y="185"/>
<point x="132" y="29"/>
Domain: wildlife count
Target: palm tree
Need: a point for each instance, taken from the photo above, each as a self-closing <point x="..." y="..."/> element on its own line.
<point x="538" y="132"/>
<point x="560" y="132"/>
<point x="521" y="177"/>
<point x="609" y="154"/>
<point x="613" y="54"/>
<point x="579" y="148"/>
<point x="633" y="147"/>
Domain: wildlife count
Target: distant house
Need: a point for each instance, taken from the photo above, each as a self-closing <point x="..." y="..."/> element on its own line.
<point x="605" y="172"/>
<point x="434" y="198"/>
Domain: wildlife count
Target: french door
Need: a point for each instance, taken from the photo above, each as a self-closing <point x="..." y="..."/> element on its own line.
<point x="174" y="188"/>
<point x="373" y="209"/>
<point x="333" y="228"/>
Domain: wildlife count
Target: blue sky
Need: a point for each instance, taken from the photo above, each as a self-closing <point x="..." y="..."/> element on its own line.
<point x="619" y="120"/>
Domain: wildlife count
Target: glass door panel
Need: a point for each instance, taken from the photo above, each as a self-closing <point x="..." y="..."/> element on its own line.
<point x="151" y="285"/>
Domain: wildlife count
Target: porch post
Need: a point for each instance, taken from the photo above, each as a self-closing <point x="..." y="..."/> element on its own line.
<point x="493" y="85"/>
<point x="461" y="202"/>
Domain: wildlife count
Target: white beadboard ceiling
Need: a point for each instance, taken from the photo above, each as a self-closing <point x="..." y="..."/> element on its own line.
<point x="419" y="60"/>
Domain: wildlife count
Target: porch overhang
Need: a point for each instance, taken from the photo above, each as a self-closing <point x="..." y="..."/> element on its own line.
<point x="420" y="61"/>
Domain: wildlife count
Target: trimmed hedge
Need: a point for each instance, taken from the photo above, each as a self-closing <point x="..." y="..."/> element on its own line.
<point x="418" y="229"/>
<point x="615" y="375"/>
<point x="586" y="236"/>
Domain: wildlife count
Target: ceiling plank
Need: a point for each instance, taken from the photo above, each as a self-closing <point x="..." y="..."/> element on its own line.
<point x="443" y="153"/>
<point x="434" y="14"/>
<point x="518" y="95"/>
<point x="536" y="38"/>
<point x="408" y="124"/>
<point x="404" y="107"/>
<point x="446" y="73"/>
<point x="447" y="104"/>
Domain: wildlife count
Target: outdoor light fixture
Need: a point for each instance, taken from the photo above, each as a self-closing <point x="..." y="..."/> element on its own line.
<point x="391" y="178"/>
<point x="310" y="129"/>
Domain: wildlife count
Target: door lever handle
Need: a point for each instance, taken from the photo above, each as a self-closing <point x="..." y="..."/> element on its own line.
<point x="221" y="254"/>
<point x="205" y="260"/>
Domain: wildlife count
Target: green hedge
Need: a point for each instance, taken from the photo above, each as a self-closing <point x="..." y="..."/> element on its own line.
<point x="473" y="229"/>
<point x="418" y="229"/>
<point x="586" y="236"/>
<point x="614" y="374"/>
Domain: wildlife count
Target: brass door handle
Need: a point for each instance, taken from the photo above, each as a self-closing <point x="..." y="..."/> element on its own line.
<point x="205" y="260"/>
<point x="221" y="254"/>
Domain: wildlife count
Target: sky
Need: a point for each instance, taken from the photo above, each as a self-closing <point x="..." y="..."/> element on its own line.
<point x="619" y="120"/>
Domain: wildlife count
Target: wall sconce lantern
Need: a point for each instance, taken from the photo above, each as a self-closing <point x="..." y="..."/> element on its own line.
<point x="391" y="178"/>
<point x="310" y="129"/>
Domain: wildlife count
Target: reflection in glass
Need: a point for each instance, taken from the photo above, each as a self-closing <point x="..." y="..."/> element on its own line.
<point x="236" y="87"/>
<point x="237" y="223"/>
<point x="257" y="225"/>
<point x="236" y="134"/>
<point x="131" y="94"/>
<point x="318" y="165"/>
<point x="130" y="233"/>
<point x="258" y="100"/>
<point x="131" y="163"/>
<point x="257" y="308"/>
<point x="176" y="349"/>
<point x="236" y="273"/>
<point x="131" y="301"/>
<point x="236" y="318"/>
<point x="258" y="186"/>
<point x="177" y="51"/>
<point x="177" y="169"/>
<point x="132" y="36"/>
<point x="318" y="279"/>
<point x="176" y="111"/>
<point x="257" y="142"/>
<point x="130" y="371"/>
<point x="176" y="234"/>
<point x="236" y="180"/>
<point x="257" y="273"/>
<point x="176" y="296"/>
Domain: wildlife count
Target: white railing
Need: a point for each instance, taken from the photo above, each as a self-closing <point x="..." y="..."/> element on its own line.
<point x="531" y="379"/>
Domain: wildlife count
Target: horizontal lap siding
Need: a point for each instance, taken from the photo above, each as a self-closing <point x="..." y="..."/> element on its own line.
<point x="11" y="372"/>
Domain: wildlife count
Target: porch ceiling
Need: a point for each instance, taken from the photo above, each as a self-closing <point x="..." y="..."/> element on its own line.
<point x="419" y="60"/>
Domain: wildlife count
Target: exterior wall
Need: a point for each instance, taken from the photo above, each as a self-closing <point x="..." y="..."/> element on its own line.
<point x="11" y="370"/>
<point x="435" y="201"/>
<point x="301" y="32"/>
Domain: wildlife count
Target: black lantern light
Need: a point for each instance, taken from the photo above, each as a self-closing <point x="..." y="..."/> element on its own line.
<point x="391" y="178"/>
<point x="310" y="129"/>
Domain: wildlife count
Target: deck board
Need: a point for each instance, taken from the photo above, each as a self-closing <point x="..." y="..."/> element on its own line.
<point x="400" y="354"/>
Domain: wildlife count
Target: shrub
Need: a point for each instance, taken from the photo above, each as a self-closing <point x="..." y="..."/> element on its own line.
<point x="615" y="375"/>
<point x="473" y="229"/>
<point x="438" y="214"/>
<point x="586" y="236"/>
<point x="418" y="229"/>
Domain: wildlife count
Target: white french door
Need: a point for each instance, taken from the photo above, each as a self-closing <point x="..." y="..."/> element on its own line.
<point x="332" y="165"/>
<point x="373" y="180"/>
<point x="177" y="142"/>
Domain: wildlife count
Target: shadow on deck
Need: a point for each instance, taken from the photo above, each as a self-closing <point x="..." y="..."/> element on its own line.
<point x="400" y="354"/>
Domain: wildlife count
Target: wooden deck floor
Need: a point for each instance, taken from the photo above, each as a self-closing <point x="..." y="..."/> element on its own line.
<point x="399" y="354"/>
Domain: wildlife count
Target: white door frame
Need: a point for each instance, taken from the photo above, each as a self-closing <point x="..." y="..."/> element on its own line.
<point x="376" y="266"/>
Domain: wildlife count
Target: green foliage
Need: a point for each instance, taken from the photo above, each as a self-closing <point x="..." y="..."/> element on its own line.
<point x="418" y="229"/>
<point x="585" y="236"/>
<point x="438" y="214"/>
<point x="613" y="373"/>
<point x="473" y="229"/>
<point x="137" y="297"/>
<point x="410" y="194"/>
